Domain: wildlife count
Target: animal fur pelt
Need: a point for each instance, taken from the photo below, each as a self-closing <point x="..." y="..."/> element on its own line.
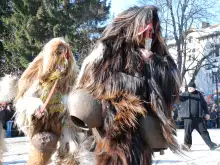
<point x="130" y="87"/>
<point x="52" y="73"/>
<point x="73" y="147"/>
<point x="8" y="88"/>
<point x="36" y="83"/>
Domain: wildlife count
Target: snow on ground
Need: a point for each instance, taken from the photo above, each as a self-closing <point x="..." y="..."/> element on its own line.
<point x="17" y="153"/>
<point x="200" y="154"/>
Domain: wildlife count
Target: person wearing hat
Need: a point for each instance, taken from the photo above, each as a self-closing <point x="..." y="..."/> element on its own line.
<point x="194" y="110"/>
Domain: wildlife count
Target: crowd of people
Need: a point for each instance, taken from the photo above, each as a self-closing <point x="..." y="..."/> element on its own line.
<point x="214" y="121"/>
<point x="7" y="112"/>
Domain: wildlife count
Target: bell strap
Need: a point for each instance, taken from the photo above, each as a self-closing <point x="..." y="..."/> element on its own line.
<point x="49" y="97"/>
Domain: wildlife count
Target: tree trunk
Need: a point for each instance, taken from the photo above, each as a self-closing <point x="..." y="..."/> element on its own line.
<point x="179" y="57"/>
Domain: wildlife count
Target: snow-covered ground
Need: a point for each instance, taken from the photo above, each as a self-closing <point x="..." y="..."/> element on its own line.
<point x="17" y="153"/>
<point x="200" y="154"/>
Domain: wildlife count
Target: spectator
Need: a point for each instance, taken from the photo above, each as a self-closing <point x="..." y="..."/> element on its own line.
<point x="212" y="121"/>
<point x="193" y="108"/>
<point x="218" y="117"/>
<point x="6" y="114"/>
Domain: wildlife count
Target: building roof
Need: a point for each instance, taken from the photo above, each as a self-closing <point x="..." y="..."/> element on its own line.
<point x="210" y="31"/>
<point x="203" y="33"/>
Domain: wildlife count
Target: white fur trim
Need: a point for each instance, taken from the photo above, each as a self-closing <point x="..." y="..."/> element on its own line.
<point x="84" y="156"/>
<point x="67" y="136"/>
<point x="29" y="105"/>
<point x="94" y="57"/>
<point x="26" y="108"/>
<point x="74" y="141"/>
<point x="33" y="90"/>
<point x="8" y="88"/>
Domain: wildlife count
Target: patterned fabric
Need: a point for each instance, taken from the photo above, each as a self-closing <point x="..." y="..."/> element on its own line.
<point x="55" y="104"/>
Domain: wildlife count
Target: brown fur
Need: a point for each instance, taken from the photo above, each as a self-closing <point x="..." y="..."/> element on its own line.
<point x="120" y="135"/>
<point x="38" y="158"/>
<point x="129" y="88"/>
<point x="40" y="69"/>
<point x="35" y="70"/>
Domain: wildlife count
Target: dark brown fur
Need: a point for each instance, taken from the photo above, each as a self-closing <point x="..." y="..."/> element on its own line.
<point x="130" y="88"/>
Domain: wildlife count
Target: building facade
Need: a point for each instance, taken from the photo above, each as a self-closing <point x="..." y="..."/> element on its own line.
<point x="202" y="47"/>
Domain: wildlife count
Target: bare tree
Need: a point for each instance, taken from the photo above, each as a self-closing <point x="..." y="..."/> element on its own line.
<point x="178" y="17"/>
<point x="193" y="62"/>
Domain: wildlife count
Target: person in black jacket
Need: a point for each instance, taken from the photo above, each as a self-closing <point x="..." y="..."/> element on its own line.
<point x="193" y="110"/>
<point x="6" y="114"/>
<point x="218" y="117"/>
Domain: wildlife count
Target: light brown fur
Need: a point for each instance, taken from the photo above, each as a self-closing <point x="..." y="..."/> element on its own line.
<point x="31" y="84"/>
<point x="38" y="158"/>
<point x="36" y="70"/>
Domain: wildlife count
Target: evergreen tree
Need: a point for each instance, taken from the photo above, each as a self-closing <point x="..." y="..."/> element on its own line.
<point x="34" y="22"/>
<point x="5" y="11"/>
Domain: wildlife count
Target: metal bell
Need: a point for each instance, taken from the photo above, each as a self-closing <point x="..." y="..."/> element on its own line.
<point x="85" y="111"/>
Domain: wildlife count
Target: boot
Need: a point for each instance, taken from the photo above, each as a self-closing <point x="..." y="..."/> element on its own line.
<point x="186" y="147"/>
<point x="214" y="147"/>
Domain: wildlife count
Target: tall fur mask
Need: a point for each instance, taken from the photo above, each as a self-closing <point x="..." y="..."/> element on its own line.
<point x="56" y="55"/>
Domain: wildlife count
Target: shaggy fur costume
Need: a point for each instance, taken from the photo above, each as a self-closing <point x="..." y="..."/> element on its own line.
<point x="129" y="87"/>
<point x="53" y="67"/>
<point x="8" y="90"/>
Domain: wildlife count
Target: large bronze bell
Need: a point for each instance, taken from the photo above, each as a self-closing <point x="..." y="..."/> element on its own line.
<point x="151" y="132"/>
<point x="85" y="111"/>
<point x="44" y="141"/>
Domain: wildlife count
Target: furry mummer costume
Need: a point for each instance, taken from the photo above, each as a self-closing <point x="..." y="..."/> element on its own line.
<point x="8" y="90"/>
<point x="41" y="114"/>
<point x="133" y="86"/>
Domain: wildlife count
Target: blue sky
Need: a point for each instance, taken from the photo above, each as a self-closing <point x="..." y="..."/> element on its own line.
<point x="117" y="6"/>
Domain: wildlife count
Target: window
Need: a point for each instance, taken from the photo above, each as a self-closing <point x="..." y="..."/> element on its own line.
<point x="189" y="58"/>
<point x="193" y="57"/>
<point x="190" y="39"/>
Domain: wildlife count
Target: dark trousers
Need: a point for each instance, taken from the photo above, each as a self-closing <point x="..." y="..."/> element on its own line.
<point x="218" y="122"/>
<point x="199" y="125"/>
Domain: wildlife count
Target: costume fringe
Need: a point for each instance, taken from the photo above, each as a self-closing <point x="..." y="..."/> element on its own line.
<point x="8" y="88"/>
<point x="26" y="109"/>
<point x="73" y="147"/>
<point x="37" y="157"/>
